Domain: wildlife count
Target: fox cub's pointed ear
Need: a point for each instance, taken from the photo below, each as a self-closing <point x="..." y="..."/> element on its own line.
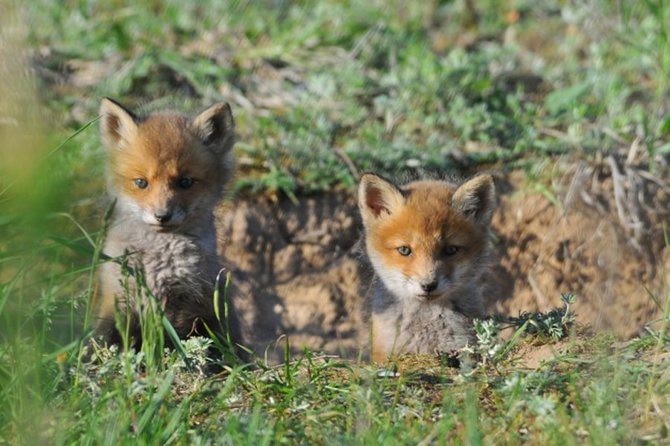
<point x="476" y="199"/>
<point x="118" y="125"/>
<point x="377" y="197"/>
<point x="216" y="127"/>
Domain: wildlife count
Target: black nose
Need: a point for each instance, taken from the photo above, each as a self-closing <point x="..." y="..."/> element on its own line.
<point x="163" y="216"/>
<point x="428" y="287"/>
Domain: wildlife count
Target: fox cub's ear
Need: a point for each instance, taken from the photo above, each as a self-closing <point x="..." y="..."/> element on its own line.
<point x="377" y="197"/>
<point x="118" y="125"/>
<point x="216" y="127"/>
<point x="476" y="199"/>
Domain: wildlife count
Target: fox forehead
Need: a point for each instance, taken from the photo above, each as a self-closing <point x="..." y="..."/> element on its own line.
<point x="420" y="228"/>
<point x="430" y="202"/>
<point x="427" y="211"/>
<point x="426" y="220"/>
<point x="165" y="147"/>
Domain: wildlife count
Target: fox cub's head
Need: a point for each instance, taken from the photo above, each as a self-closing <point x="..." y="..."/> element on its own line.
<point x="167" y="169"/>
<point x="428" y="238"/>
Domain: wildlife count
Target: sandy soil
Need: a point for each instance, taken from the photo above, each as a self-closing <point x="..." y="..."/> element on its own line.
<point x="300" y="271"/>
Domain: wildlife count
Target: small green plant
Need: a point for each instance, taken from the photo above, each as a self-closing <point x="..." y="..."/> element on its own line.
<point x="555" y="323"/>
<point x="488" y="343"/>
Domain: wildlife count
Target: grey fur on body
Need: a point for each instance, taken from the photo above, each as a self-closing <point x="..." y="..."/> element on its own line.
<point x="179" y="268"/>
<point x="407" y="325"/>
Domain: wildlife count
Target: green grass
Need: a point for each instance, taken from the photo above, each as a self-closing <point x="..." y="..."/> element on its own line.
<point x="321" y="91"/>
<point x="587" y="391"/>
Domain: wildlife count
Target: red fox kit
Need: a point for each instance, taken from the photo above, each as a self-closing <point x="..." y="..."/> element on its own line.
<point x="166" y="172"/>
<point x="428" y="244"/>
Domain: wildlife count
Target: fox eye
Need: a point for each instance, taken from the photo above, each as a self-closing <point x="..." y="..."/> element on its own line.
<point x="405" y="251"/>
<point x="451" y="250"/>
<point x="186" y="182"/>
<point x="141" y="183"/>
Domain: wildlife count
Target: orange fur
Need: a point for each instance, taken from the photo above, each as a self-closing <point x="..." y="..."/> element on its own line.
<point x="158" y="155"/>
<point x="426" y="225"/>
<point x="167" y="172"/>
<point x="428" y="244"/>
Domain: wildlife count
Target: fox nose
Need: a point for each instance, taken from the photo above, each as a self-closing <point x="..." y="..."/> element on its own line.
<point x="163" y="216"/>
<point x="430" y="286"/>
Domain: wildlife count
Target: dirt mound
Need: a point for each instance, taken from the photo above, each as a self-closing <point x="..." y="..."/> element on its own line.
<point x="298" y="268"/>
<point x="298" y="263"/>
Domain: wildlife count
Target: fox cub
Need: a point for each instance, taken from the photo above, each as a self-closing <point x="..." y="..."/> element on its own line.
<point x="428" y="243"/>
<point x="166" y="173"/>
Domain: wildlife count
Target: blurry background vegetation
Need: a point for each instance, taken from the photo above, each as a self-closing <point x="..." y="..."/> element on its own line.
<point x="387" y="86"/>
<point x="321" y="91"/>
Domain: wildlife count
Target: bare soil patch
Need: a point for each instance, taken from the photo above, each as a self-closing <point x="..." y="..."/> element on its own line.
<point x="300" y="272"/>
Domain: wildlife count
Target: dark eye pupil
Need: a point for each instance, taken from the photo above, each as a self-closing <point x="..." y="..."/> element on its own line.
<point x="141" y="183"/>
<point x="451" y="250"/>
<point x="185" y="182"/>
<point x="404" y="250"/>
